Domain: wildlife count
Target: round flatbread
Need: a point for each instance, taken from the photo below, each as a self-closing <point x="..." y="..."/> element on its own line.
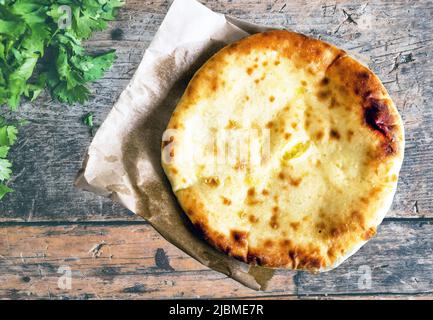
<point x="284" y="152"/>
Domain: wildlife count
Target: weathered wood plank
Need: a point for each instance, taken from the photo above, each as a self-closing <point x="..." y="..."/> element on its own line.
<point x="398" y="261"/>
<point x="394" y="38"/>
<point x="130" y="262"/>
<point x="135" y="262"/>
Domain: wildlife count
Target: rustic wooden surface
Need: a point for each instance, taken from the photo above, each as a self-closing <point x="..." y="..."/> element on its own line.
<point x="47" y="224"/>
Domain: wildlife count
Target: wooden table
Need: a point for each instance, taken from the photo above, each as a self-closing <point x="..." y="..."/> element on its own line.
<point x="48" y="228"/>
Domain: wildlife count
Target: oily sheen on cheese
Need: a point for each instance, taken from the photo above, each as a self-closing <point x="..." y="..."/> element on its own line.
<point x="333" y="143"/>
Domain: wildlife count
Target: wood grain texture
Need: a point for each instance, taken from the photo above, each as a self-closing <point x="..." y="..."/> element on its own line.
<point x="131" y="261"/>
<point x="47" y="223"/>
<point x="134" y="262"/>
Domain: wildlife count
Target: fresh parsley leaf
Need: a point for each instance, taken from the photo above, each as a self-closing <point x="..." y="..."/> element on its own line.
<point x="4" y="190"/>
<point x="4" y="151"/>
<point x="88" y="120"/>
<point x="5" y="169"/>
<point x="8" y="136"/>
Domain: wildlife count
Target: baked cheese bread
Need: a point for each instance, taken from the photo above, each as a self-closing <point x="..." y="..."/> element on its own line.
<point x="318" y="149"/>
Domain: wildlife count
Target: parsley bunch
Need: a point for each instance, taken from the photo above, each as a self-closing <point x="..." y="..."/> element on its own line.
<point x="8" y="136"/>
<point x="40" y="47"/>
<point x="36" y="51"/>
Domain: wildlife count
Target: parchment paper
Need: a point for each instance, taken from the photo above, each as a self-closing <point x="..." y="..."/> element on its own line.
<point x="123" y="160"/>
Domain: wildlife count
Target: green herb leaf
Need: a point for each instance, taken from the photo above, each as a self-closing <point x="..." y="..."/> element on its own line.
<point x="4" y="151"/>
<point x="5" y="169"/>
<point x="88" y="120"/>
<point x="4" y="190"/>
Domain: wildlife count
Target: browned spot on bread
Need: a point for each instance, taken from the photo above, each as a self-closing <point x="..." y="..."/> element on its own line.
<point x="357" y="218"/>
<point x="294" y="225"/>
<point x="274" y="218"/>
<point x="214" y="84"/>
<point x="269" y="125"/>
<point x="235" y="244"/>
<point x="232" y="125"/>
<point x="303" y="259"/>
<point x="334" y="134"/>
<point x="274" y="223"/>
<point x="331" y="253"/>
<point x="250" y="71"/>
<point x="319" y="135"/>
<point x="287" y="136"/>
<point x="363" y="75"/>
<point x="277" y="62"/>
<point x="226" y="201"/>
<point x="370" y="233"/>
<point x="375" y="191"/>
<point x="271" y="98"/>
<point x="172" y="153"/>
<point x="257" y="81"/>
<point x="320" y="227"/>
<point x="323" y="95"/>
<point x="265" y="63"/>
<point x="167" y="142"/>
<point x="285" y="243"/>
<point x="251" y="200"/>
<point x="324" y="81"/>
<point x="247" y="98"/>
<point x="303" y="83"/>
<point x="265" y="192"/>
<point x="285" y="254"/>
<point x="333" y="103"/>
<point x="378" y="117"/>
<point x="350" y="134"/>
<point x="174" y="170"/>
<point x="294" y="125"/>
<point x="268" y="243"/>
<point x="364" y="200"/>
<point x="251" y="192"/>
<point x="240" y="165"/>
<point x="281" y="176"/>
<point x="212" y="181"/>
<point x="336" y="232"/>
<point x="253" y="219"/>
<point x="255" y="259"/>
<point x="295" y="181"/>
<point x="239" y="237"/>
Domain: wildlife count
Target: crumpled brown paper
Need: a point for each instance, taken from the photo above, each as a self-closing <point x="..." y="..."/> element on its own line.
<point x="123" y="160"/>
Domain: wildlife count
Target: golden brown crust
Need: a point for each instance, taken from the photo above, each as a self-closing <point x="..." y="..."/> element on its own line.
<point x="344" y="109"/>
<point x="235" y="245"/>
<point x="378" y="111"/>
